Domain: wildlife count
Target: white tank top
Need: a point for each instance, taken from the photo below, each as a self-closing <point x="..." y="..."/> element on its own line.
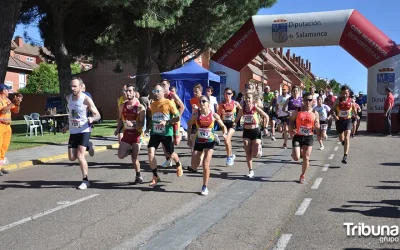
<point x="77" y="110"/>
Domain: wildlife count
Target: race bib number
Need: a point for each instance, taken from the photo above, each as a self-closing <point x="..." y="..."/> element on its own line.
<point x="227" y="117"/>
<point x="204" y="133"/>
<point x="159" y="129"/>
<point x="324" y="126"/>
<point x="304" y="130"/>
<point x="130" y="127"/>
<point x="76" y="123"/>
<point x="344" y="114"/>
<point x="248" y="118"/>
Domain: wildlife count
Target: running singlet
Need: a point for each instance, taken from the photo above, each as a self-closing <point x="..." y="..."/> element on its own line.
<point x="78" y="122"/>
<point x="295" y="104"/>
<point x="322" y="111"/>
<point x="131" y="115"/>
<point x="305" y="123"/>
<point x="228" y="111"/>
<point x="281" y="101"/>
<point x="344" y="109"/>
<point x="205" y="128"/>
<point x="163" y="110"/>
<point x="267" y="100"/>
<point x="250" y="117"/>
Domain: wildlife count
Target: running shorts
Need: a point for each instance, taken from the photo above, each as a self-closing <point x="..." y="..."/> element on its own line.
<point x="201" y="146"/>
<point x="80" y="139"/>
<point x="324" y="125"/>
<point x="131" y="136"/>
<point x="343" y="125"/>
<point x="252" y="134"/>
<point x="302" y="140"/>
<point x="155" y="141"/>
<point x="229" y="124"/>
<point x="284" y="119"/>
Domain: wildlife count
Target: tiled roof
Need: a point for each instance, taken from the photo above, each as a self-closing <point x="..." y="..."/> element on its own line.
<point x="284" y="77"/>
<point x="256" y="70"/>
<point x="16" y="63"/>
<point x="28" y="49"/>
<point x="271" y="60"/>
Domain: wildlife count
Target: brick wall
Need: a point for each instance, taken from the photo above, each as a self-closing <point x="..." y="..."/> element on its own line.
<point x="12" y="76"/>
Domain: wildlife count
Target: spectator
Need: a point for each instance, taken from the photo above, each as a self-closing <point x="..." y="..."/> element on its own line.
<point x="389" y="102"/>
<point x="213" y="99"/>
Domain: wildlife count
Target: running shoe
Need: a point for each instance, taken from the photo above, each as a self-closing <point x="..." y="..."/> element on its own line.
<point x="5" y="161"/>
<point x="138" y="180"/>
<point x="344" y="160"/>
<point x="154" y="181"/>
<point x="1" y="173"/>
<point x="273" y="137"/>
<point x="302" y="179"/>
<point x="217" y="141"/>
<point x="251" y="174"/>
<point x="167" y="163"/>
<point x="179" y="171"/>
<point x="342" y="143"/>
<point x="4" y="171"/>
<point x="204" y="190"/>
<point x="322" y="148"/>
<point x="191" y="170"/>
<point x="284" y="146"/>
<point x="352" y="135"/>
<point x="229" y="161"/>
<point x="91" y="149"/>
<point x="84" y="185"/>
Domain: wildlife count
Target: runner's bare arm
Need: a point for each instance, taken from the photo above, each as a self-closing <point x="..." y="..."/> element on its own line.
<point x="239" y="115"/>
<point x="220" y="123"/>
<point x="316" y="121"/>
<point x="219" y="110"/>
<point x="333" y="109"/>
<point x="262" y="113"/>
<point x="238" y="105"/>
<point x="66" y="126"/>
<point x="96" y="114"/>
<point x="190" y="123"/>
<point x="179" y="103"/>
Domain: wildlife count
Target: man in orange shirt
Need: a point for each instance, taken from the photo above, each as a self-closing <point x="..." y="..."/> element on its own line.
<point x="6" y="107"/>
<point x="388" y="106"/>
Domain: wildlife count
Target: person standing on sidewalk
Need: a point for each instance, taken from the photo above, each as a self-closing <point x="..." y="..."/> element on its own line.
<point x="78" y="125"/>
<point x="341" y="111"/>
<point x="302" y="125"/>
<point x="133" y="114"/>
<point x="204" y="139"/>
<point x="163" y="115"/>
<point x="387" y="109"/>
<point x="6" y="107"/>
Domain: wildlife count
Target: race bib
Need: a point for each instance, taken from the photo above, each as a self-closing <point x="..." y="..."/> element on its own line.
<point x="324" y="126"/>
<point x="76" y="123"/>
<point x="227" y="117"/>
<point x="159" y="129"/>
<point x="304" y="130"/>
<point x="248" y="118"/>
<point x="344" y="114"/>
<point x="204" y="133"/>
<point x="130" y="127"/>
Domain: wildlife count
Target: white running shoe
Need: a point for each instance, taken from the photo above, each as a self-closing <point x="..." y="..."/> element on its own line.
<point x="273" y="137"/>
<point x="91" y="149"/>
<point x="84" y="185"/>
<point x="5" y="161"/>
<point x="251" y="174"/>
<point x="204" y="190"/>
<point x="217" y="141"/>
<point x="322" y="148"/>
<point x="167" y="163"/>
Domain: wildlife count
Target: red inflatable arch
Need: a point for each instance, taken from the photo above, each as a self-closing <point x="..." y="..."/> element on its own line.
<point x="347" y="28"/>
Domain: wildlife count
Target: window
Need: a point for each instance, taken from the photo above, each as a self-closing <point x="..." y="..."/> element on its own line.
<point x="22" y="80"/>
<point x="29" y="59"/>
<point x="9" y="84"/>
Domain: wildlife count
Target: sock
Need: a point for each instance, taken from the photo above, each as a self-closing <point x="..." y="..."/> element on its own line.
<point x="168" y="158"/>
<point x="85" y="178"/>
<point x="138" y="174"/>
<point x="155" y="172"/>
<point x="345" y="155"/>
<point x="178" y="164"/>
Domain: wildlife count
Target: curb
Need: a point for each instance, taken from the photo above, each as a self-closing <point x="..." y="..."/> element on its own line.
<point x="39" y="161"/>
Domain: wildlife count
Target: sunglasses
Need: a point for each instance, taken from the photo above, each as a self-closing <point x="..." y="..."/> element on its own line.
<point x="203" y="101"/>
<point x="228" y="93"/>
<point x="155" y="91"/>
<point x="308" y="100"/>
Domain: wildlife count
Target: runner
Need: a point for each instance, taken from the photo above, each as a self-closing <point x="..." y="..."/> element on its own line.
<point x="214" y="109"/>
<point x="330" y="100"/>
<point x="171" y="95"/>
<point x="119" y="131"/>
<point x="341" y="111"/>
<point x="131" y="114"/>
<point x="302" y="124"/>
<point x="78" y="125"/>
<point x="204" y="139"/>
<point x="164" y="114"/>
<point x="251" y="130"/>
<point x="355" y="118"/>
<point x="361" y="103"/>
<point x="324" y="115"/>
<point x="273" y="114"/>
<point x="227" y="110"/>
<point x="314" y="95"/>
<point x="282" y="114"/>
<point x="293" y="103"/>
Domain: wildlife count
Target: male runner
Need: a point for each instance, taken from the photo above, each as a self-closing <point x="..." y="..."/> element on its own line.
<point x="133" y="114"/>
<point x="78" y="125"/>
<point x="341" y="111"/>
<point x="282" y="115"/>
<point x="119" y="131"/>
<point x="163" y="115"/>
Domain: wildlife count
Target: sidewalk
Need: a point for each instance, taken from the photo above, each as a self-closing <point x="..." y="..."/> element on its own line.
<point x="33" y="156"/>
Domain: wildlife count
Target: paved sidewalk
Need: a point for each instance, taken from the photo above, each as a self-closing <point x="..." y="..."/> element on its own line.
<point x="32" y="156"/>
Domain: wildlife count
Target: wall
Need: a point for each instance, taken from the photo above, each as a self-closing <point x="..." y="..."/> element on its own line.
<point x="31" y="103"/>
<point x="12" y="75"/>
<point x="245" y="75"/>
<point x="23" y="58"/>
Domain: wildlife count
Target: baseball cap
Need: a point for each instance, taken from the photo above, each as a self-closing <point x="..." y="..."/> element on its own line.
<point x="3" y="87"/>
<point x="360" y="93"/>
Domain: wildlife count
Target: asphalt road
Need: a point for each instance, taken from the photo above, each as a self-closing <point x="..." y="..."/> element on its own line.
<point x="41" y="209"/>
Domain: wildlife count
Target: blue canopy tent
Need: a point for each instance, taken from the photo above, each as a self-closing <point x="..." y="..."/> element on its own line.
<point x="185" y="78"/>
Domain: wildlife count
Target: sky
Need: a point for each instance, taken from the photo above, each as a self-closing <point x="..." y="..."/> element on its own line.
<point x="328" y="61"/>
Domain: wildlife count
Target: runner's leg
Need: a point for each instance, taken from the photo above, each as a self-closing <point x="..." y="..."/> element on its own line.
<point x="255" y="147"/>
<point x="247" y="150"/>
<point x="206" y="165"/>
<point x="123" y="150"/>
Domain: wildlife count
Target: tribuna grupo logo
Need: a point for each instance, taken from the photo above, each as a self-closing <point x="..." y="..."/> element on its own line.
<point x="389" y="234"/>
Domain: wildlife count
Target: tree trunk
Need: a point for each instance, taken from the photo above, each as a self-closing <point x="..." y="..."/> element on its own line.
<point x="144" y="60"/>
<point x="9" y="14"/>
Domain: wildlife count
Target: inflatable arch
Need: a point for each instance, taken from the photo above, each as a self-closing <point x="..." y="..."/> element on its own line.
<point x="347" y="28"/>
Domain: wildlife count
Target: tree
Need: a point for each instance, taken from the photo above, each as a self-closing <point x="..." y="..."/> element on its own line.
<point x="44" y="79"/>
<point x="9" y="14"/>
<point x="335" y="86"/>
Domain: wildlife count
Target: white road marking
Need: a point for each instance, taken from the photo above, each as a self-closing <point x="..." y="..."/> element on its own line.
<point x="336" y="148"/>
<point x="303" y="206"/>
<point x="316" y="183"/>
<point x="63" y="202"/>
<point x="325" y="168"/>
<point x="37" y="216"/>
<point x="282" y="242"/>
<point x="331" y="156"/>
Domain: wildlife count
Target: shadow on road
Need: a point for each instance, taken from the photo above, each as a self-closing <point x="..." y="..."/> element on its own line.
<point x="391" y="164"/>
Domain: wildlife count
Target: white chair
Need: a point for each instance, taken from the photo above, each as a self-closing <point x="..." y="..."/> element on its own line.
<point x="32" y="124"/>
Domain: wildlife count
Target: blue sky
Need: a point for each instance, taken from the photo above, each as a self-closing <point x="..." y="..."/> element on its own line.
<point x="327" y="62"/>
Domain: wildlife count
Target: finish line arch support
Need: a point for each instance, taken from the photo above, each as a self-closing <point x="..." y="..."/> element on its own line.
<point x="346" y="28"/>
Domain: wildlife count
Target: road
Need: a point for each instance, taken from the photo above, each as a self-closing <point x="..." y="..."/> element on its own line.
<point x="41" y="209"/>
